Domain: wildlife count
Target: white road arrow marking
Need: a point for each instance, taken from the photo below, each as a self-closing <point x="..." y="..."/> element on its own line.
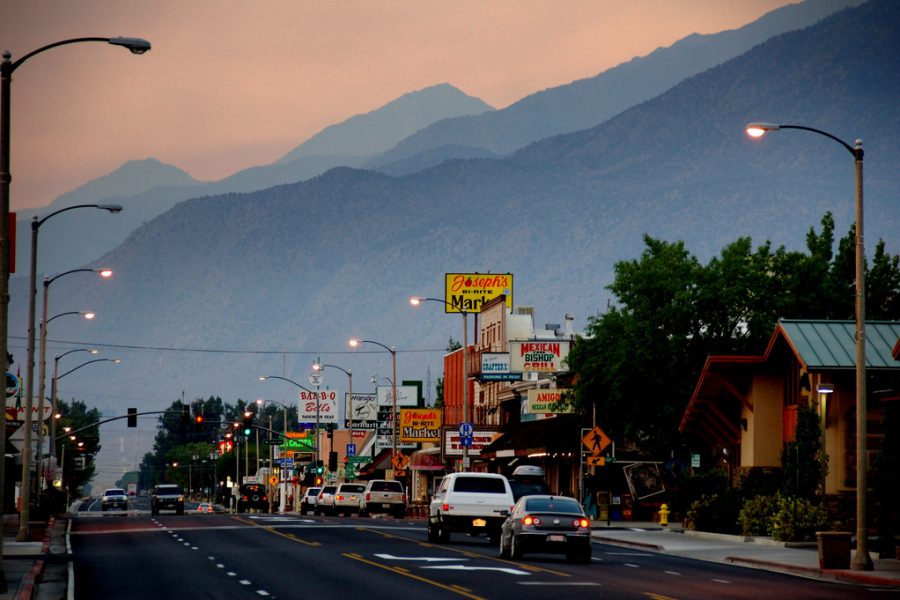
<point x="465" y="568"/>
<point x="424" y="558"/>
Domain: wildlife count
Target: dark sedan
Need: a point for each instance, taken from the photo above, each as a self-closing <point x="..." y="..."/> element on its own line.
<point x="547" y="525"/>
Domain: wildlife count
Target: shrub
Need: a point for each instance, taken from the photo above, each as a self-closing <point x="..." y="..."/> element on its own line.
<point x="715" y="512"/>
<point x="797" y="520"/>
<point x="756" y="517"/>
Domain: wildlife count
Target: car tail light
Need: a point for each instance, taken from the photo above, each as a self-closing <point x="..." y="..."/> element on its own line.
<point x="529" y="520"/>
<point x="445" y="507"/>
<point x="583" y="523"/>
<point x="339" y="497"/>
<point x="368" y="496"/>
<point x="404" y="498"/>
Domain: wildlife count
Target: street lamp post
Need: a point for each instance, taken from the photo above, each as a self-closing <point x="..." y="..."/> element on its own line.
<point x="861" y="560"/>
<point x="306" y="389"/>
<point x="53" y="399"/>
<point x="321" y="367"/>
<point x="394" y="421"/>
<point x="105" y="273"/>
<point x="7" y="67"/>
<point x="416" y="301"/>
<point x="43" y="375"/>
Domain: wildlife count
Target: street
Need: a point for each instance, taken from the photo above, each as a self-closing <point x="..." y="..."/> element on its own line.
<point x="290" y="556"/>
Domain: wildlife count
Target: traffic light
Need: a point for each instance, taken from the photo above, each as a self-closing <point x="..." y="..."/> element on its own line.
<point x="185" y="414"/>
<point x="318" y="480"/>
<point x="248" y="422"/>
<point x="332" y="461"/>
<point x="132" y="417"/>
<point x="320" y="467"/>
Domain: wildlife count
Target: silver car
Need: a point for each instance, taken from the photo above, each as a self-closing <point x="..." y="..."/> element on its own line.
<point x="324" y="499"/>
<point x="346" y="498"/>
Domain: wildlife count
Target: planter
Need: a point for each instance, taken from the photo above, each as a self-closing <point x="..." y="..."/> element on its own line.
<point x="834" y="549"/>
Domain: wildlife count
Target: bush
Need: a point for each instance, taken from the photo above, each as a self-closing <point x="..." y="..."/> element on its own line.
<point x="715" y="512"/>
<point x="756" y="517"/>
<point x="797" y="520"/>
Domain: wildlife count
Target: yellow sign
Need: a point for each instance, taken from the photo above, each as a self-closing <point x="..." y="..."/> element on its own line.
<point x="420" y="424"/>
<point x="273" y="480"/>
<point x="399" y="461"/>
<point x="596" y="441"/>
<point x="467" y="292"/>
<point x="596" y="461"/>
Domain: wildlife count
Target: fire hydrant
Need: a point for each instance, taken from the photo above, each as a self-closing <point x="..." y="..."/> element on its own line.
<point x="664" y="514"/>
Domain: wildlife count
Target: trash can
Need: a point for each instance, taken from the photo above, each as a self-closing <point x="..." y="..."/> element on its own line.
<point x="834" y="549"/>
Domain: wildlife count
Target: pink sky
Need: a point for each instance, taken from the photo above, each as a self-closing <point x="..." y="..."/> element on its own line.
<point x="232" y="84"/>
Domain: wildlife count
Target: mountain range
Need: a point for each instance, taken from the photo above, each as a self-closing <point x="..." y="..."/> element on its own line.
<point x="220" y="289"/>
<point x="414" y="132"/>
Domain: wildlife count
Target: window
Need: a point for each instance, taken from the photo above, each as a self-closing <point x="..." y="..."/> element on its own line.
<point x="481" y="485"/>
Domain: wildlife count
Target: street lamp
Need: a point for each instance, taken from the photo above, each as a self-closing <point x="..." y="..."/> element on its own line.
<point x="105" y="274"/>
<point x="53" y="400"/>
<point x="306" y="389"/>
<point x="7" y="67"/>
<point x="861" y="560"/>
<point x="394" y="421"/>
<point x="319" y="367"/>
<point x="416" y="301"/>
<point x="27" y="435"/>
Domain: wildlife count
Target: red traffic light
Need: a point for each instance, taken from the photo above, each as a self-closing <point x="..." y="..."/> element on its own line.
<point x="198" y="419"/>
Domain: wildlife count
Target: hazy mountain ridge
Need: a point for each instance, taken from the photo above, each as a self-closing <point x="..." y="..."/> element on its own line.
<point x="298" y="269"/>
<point x="588" y="102"/>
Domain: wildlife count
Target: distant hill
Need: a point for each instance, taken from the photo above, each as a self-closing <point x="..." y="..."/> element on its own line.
<point x="221" y="289"/>
<point x="148" y="188"/>
<point x="589" y="102"/>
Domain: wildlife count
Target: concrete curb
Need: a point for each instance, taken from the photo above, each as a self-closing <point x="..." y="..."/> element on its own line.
<point x="629" y="543"/>
<point x="836" y="574"/>
<point x="30" y="581"/>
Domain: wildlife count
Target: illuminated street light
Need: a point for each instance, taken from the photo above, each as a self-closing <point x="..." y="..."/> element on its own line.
<point x="394" y="420"/>
<point x="861" y="560"/>
<point x="416" y="301"/>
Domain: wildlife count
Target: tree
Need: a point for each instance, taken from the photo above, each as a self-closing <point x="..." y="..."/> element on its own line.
<point x="803" y="460"/>
<point x="639" y="362"/>
<point x="82" y="422"/>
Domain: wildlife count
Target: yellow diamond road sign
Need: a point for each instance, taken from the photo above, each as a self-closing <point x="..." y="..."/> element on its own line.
<point x="596" y="441"/>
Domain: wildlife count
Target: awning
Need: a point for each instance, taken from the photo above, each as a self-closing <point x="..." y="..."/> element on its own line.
<point x="557" y="434"/>
<point x="381" y="462"/>
<point x="428" y="459"/>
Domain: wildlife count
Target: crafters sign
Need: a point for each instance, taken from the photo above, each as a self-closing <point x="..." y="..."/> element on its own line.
<point x="467" y="292"/>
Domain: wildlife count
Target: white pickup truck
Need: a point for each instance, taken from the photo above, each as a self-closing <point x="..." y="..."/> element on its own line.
<point x="472" y="503"/>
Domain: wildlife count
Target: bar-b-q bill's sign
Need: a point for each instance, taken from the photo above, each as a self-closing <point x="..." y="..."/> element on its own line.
<point x="467" y="292"/>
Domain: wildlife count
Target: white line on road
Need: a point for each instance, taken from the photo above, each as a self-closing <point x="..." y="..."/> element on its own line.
<point x="425" y="558"/>
<point x="672" y="573"/>
<point x="725" y="581"/>
<point x="633" y="566"/>
<point x="559" y="584"/>
<point x="245" y="582"/>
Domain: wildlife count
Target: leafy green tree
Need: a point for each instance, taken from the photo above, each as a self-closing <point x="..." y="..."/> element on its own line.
<point x="803" y="461"/>
<point x="640" y="360"/>
<point x="81" y="422"/>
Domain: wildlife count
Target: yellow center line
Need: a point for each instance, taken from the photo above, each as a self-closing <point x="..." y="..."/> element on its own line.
<point x="292" y="537"/>
<point x="450" y="588"/>
<point x="653" y="596"/>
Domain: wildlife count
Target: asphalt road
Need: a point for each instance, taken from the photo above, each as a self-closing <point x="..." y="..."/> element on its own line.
<point x="271" y="556"/>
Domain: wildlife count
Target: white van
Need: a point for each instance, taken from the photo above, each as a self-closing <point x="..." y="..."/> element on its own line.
<point x="472" y="503"/>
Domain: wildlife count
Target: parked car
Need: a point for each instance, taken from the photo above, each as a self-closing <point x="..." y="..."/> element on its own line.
<point x="205" y="507"/>
<point x="114" y="498"/>
<point x="253" y="496"/>
<point x="346" y="498"/>
<point x="323" y="500"/>
<point x="471" y="503"/>
<point x="383" y="496"/>
<point x="308" y="500"/>
<point x="547" y="525"/>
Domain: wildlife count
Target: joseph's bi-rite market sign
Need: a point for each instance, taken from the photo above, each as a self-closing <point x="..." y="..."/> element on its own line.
<point x="467" y="292"/>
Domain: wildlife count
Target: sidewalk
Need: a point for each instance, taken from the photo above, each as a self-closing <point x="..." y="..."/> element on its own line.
<point x="38" y="568"/>
<point x="759" y="553"/>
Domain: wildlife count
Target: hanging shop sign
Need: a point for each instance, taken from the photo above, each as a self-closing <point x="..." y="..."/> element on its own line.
<point x="538" y="356"/>
<point x="467" y="292"/>
<point x="420" y="424"/>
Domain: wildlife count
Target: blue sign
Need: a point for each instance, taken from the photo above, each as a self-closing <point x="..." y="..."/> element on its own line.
<point x="466" y="441"/>
<point x="351" y="449"/>
<point x="466" y="430"/>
